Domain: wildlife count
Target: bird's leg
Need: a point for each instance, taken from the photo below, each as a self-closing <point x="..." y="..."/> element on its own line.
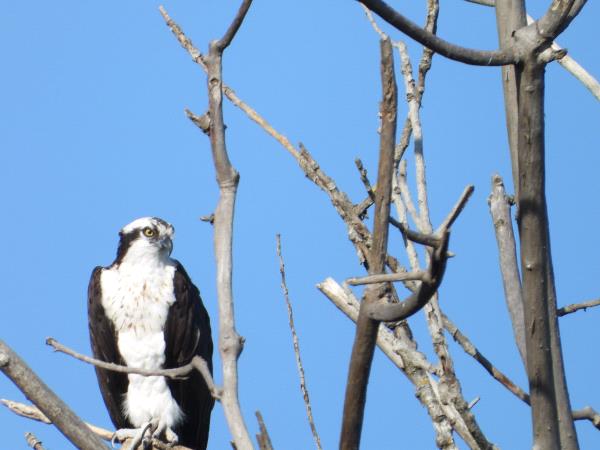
<point x="137" y="435"/>
<point x="170" y="437"/>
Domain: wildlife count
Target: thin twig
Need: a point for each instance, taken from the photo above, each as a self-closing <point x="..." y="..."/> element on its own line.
<point x="364" y="178"/>
<point x="179" y="372"/>
<point x="458" y="207"/>
<point x="574" y="307"/>
<point x="471" y="350"/>
<point x="371" y="20"/>
<point x="303" y="386"/>
<point x="200" y="59"/>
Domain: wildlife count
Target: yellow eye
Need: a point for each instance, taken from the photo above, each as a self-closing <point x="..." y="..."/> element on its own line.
<point x="148" y="232"/>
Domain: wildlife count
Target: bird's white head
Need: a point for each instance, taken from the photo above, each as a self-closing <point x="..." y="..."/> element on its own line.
<point x="145" y="240"/>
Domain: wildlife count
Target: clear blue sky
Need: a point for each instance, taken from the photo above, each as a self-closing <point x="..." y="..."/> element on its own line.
<point x="93" y="135"/>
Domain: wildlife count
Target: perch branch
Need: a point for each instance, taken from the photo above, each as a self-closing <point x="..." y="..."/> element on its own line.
<point x="197" y="363"/>
<point x="33" y="413"/>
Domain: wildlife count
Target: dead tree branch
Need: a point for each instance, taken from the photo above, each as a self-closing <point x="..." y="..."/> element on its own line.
<point x="430" y="40"/>
<point x="499" y="204"/>
<point x="471" y="350"/>
<point x="33" y="442"/>
<point x="197" y="363"/>
<point x="567" y="62"/>
<point x="574" y="307"/>
<point x="33" y="413"/>
<point x="366" y="327"/>
<point x="46" y="400"/>
<point x="413" y="364"/>
<point x="588" y="413"/>
<point x="264" y="441"/>
<point x="303" y="387"/>
<point x="230" y="342"/>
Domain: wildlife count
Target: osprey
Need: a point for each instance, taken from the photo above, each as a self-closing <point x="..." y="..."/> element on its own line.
<point x="145" y="312"/>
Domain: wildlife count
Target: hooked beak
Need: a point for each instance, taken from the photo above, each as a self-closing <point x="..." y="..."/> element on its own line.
<point x="166" y="244"/>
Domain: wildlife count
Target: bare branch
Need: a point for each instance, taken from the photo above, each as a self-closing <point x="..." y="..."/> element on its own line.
<point x="388" y="278"/>
<point x="396" y="350"/>
<point x="33" y="442"/>
<point x="431" y="240"/>
<point x="507" y="251"/>
<point x="430" y="40"/>
<point x="566" y="61"/>
<point x="32" y="412"/>
<point x="457" y="209"/>
<point x="535" y="259"/>
<point x="471" y="350"/>
<point x="230" y="342"/>
<point x="180" y="372"/>
<point x="264" y="441"/>
<point x="200" y="59"/>
<point x="366" y="327"/>
<point x="574" y="307"/>
<point x="224" y="42"/>
<point x="588" y="413"/>
<point x="556" y="18"/>
<point x="388" y="312"/>
<point x="303" y="387"/>
<point x="197" y="363"/>
<point x="47" y="401"/>
<point x="413" y="364"/>
<point x="579" y="72"/>
<point x="364" y="178"/>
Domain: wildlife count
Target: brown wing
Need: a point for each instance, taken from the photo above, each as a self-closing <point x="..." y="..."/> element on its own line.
<point x="187" y="333"/>
<point x="113" y="385"/>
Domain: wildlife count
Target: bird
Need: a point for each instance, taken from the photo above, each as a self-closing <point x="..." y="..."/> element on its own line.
<point x="145" y="312"/>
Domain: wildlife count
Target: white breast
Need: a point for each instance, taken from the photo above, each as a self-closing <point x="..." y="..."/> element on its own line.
<point x="136" y="298"/>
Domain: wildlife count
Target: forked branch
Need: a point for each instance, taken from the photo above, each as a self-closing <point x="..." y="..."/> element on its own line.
<point x="230" y="342"/>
